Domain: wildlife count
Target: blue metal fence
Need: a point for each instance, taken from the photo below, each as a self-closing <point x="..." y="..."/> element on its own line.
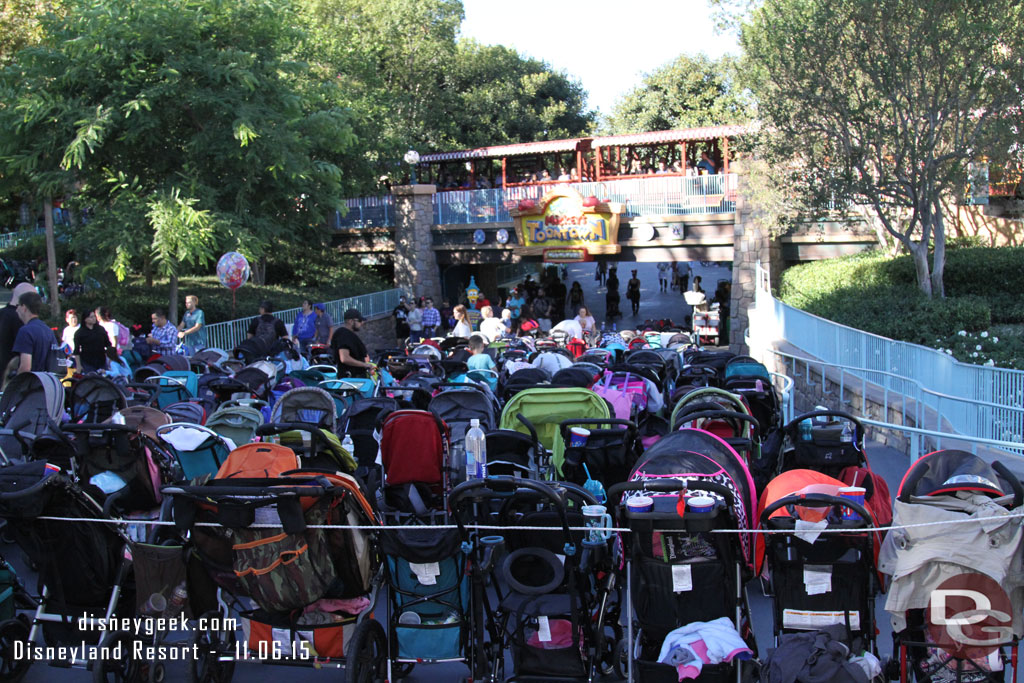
<point x="10" y="239"/>
<point x="671" y="195"/>
<point x="975" y="400"/>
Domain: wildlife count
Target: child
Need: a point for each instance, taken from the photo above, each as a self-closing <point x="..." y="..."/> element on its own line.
<point x="480" y="360"/>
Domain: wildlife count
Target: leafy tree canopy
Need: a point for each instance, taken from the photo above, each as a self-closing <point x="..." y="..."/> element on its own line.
<point x="883" y="103"/>
<point x="685" y="93"/>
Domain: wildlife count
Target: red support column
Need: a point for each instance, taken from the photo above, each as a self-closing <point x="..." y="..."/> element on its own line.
<point x="725" y="155"/>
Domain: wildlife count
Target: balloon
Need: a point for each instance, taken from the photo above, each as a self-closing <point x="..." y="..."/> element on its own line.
<point x="232" y="270"/>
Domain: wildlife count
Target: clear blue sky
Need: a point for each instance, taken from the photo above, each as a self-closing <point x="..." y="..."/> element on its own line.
<point x="607" y="45"/>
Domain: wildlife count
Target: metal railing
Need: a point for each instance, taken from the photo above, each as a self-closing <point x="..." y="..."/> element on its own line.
<point x="10" y="239"/>
<point x="229" y="334"/>
<point x="670" y="195"/>
<point x="975" y="401"/>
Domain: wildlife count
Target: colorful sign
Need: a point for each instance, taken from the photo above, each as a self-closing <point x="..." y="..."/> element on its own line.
<point x="566" y="255"/>
<point x="563" y="218"/>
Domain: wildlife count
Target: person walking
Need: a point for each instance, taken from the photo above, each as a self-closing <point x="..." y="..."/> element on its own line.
<point x="431" y="318"/>
<point x="304" y="329"/>
<point x="10" y="325"/>
<point x="401" y="315"/>
<point x="192" y="328"/>
<point x="67" y="338"/>
<point x="91" y="345"/>
<point x="267" y="326"/>
<point x="415" y="320"/>
<point x="602" y="271"/>
<point x="663" y="277"/>
<point x="633" y="292"/>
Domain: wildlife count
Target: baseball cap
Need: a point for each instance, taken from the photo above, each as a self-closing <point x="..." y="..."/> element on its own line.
<point x="322" y="307"/>
<point x="353" y="314"/>
<point x="23" y="288"/>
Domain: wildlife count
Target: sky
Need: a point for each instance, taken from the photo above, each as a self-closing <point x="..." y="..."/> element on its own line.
<point x="608" y="45"/>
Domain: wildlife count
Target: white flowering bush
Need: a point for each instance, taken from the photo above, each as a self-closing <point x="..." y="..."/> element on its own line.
<point x="984" y="348"/>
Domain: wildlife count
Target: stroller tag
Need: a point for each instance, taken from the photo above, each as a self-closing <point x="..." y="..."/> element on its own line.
<point x="426" y="573"/>
<point x="543" y="630"/>
<point x="817" y="579"/>
<point x="682" y="578"/>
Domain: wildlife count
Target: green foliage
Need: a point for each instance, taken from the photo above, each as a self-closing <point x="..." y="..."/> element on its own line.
<point x="313" y="264"/>
<point x="884" y="103"/>
<point x="872" y="292"/>
<point x="685" y="93"/>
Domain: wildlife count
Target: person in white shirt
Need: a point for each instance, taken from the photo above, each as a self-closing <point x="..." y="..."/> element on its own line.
<point x="462" y="326"/>
<point x="491" y="327"/>
<point x="585" y="320"/>
<point x="570" y="327"/>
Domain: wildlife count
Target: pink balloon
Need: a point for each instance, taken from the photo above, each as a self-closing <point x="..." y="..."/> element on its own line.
<point x="232" y="270"/>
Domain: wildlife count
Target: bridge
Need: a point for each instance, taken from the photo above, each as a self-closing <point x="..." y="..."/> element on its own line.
<point x="447" y="236"/>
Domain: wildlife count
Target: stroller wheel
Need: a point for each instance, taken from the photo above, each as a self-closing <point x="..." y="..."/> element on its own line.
<point x="620" y="660"/>
<point x="402" y="669"/>
<point x="366" y="657"/>
<point x="211" y="646"/>
<point x="127" y="669"/>
<point x="11" y="669"/>
<point x="607" y="659"/>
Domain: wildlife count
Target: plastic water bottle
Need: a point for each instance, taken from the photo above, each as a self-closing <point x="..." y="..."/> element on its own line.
<point x="847" y="434"/>
<point x="805" y="430"/>
<point x="476" y="451"/>
<point x="348" y="445"/>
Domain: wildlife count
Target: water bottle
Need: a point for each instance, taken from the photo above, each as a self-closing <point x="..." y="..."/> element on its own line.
<point x="178" y="599"/>
<point x="349" y="446"/>
<point x="805" y="430"/>
<point x="602" y="327"/>
<point x="847" y="434"/>
<point x="476" y="451"/>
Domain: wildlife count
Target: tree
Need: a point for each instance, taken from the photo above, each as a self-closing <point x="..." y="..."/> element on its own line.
<point x="883" y="103"/>
<point x="186" y="126"/>
<point x="685" y="93"/>
<point x="504" y="97"/>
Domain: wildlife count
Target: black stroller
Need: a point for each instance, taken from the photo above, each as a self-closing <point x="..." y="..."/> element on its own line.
<point x="685" y="579"/>
<point x="549" y="605"/>
<point x="31" y="409"/>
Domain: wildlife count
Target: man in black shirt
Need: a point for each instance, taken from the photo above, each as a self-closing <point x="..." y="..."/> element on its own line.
<point x="10" y="323"/>
<point x="348" y="349"/>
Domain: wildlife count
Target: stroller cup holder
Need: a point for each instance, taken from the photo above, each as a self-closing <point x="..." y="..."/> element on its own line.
<point x="493" y="548"/>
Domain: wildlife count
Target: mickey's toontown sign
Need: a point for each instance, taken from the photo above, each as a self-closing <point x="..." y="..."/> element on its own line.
<point x="564" y="218"/>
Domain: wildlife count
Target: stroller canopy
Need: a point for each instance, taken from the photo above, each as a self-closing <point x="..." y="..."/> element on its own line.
<point x="693" y="455"/>
<point x="949" y="471"/>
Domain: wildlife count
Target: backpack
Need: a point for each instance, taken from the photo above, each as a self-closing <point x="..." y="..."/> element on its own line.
<point x="266" y="330"/>
<point x="124" y="337"/>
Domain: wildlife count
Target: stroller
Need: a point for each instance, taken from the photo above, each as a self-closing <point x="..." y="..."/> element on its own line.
<point x="31" y="408"/>
<point x="830" y="579"/>
<point x="94" y="399"/>
<point x="687" y="582"/>
<point x="308" y="586"/>
<point x="545" y="408"/>
<point x="828" y="441"/>
<point x="414" y="451"/>
<point x="457" y="404"/>
<point x="305" y="420"/>
<point x="549" y="586"/>
<point x="83" y="567"/>
<point x="982" y="559"/>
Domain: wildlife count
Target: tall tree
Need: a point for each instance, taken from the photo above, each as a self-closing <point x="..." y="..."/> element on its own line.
<point x="504" y="97"/>
<point x="685" y="93"/>
<point x="883" y="103"/>
<point x="185" y="124"/>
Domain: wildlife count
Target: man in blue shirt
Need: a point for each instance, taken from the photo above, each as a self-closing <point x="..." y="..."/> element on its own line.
<point x="431" y="318"/>
<point x="35" y="341"/>
<point x="164" y="337"/>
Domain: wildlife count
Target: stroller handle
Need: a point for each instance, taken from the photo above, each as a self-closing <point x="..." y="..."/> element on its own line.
<point x="669" y="485"/>
<point x="566" y="425"/>
<point x="908" y="486"/>
<point x="529" y="425"/>
<point x="826" y="413"/>
<point x="720" y="414"/>
<point x="467" y="487"/>
<point x="97" y="427"/>
<point x="1018" y="490"/>
<point x="272" y="428"/>
<point x="818" y="500"/>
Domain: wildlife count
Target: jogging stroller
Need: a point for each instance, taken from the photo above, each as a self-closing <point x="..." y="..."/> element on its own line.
<point x="687" y="582"/>
<point x="548" y="606"/>
<point x="975" y="566"/>
<point x="309" y="585"/>
<point x="31" y="409"/>
<point x="824" y="580"/>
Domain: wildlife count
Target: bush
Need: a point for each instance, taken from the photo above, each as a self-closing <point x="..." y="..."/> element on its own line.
<point x="878" y="294"/>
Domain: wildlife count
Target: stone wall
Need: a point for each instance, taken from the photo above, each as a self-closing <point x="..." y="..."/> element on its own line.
<point x="379" y="333"/>
<point x="416" y="268"/>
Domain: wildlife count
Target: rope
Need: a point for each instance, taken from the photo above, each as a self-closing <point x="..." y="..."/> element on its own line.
<point x="496" y="527"/>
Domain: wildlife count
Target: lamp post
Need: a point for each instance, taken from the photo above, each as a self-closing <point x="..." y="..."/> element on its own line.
<point x="412" y="157"/>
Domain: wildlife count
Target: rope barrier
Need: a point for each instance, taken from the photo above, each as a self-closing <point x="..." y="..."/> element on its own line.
<point x="498" y="527"/>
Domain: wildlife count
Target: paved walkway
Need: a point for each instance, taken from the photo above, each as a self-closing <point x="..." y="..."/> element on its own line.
<point x="654" y="304"/>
